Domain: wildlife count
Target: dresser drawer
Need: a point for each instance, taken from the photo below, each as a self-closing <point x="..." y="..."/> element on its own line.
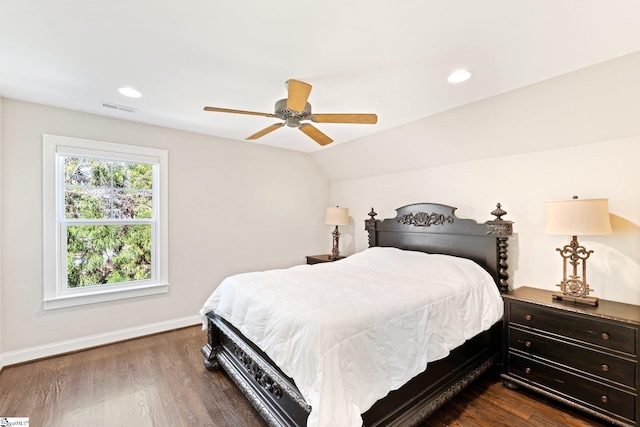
<point x="607" y="366"/>
<point x="595" y="331"/>
<point x="573" y="387"/>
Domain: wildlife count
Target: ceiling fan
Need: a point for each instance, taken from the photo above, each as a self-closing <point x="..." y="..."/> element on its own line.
<point x="295" y="109"/>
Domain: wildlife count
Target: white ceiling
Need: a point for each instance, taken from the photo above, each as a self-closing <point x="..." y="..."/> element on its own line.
<point x="360" y="56"/>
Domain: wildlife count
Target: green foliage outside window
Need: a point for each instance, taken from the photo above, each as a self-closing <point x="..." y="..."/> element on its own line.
<point x="104" y="191"/>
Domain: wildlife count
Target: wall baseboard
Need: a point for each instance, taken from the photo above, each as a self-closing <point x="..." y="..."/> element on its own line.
<point x="48" y="350"/>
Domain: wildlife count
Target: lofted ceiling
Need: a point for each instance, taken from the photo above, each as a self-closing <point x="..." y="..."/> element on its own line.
<point x="360" y="56"/>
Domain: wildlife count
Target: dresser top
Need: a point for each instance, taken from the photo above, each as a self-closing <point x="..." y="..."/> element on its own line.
<point x="618" y="311"/>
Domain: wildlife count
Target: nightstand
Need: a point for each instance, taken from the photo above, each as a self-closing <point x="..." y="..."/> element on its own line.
<point x="317" y="259"/>
<point x="586" y="357"/>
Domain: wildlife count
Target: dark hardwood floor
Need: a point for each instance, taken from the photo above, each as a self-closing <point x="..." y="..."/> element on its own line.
<point x="160" y="381"/>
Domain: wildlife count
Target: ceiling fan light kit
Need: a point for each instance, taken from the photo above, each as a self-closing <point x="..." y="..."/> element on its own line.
<point x="295" y="109"/>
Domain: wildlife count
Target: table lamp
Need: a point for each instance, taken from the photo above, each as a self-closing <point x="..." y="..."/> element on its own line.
<point x="336" y="216"/>
<point x="576" y="217"/>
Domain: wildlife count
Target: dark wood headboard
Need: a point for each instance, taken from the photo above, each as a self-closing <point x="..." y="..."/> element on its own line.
<point x="434" y="228"/>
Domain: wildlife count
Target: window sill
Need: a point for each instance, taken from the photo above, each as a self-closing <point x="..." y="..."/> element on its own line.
<point x="103" y="296"/>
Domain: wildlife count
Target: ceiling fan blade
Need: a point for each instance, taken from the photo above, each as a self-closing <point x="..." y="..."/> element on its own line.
<point x="228" y="110"/>
<point x="298" y="94"/>
<point x="265" y="131"/>
<point x="313" y="133"/>
<point x="368" y="119"/>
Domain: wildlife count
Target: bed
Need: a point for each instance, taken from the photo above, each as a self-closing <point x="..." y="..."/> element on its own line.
<point x="331" y="381"/>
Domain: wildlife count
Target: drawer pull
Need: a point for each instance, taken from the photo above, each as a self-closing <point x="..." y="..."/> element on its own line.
<point x="528" y="317"/>
<point x="527" y="370"/>
<point x="527" y="344"/>
<point x="605" y="368"/>
<point x="605" y="336"/>
<point x="604" y="399"/>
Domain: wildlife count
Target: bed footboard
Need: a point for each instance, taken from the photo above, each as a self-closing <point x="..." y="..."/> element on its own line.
<point x="280" y="403"/>
<point x="271" y="393"/>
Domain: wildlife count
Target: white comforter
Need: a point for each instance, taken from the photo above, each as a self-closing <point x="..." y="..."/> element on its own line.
<point x="350" y="331"/>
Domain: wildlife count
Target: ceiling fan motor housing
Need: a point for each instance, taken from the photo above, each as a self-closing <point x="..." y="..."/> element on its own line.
<point x="290" y="117"/>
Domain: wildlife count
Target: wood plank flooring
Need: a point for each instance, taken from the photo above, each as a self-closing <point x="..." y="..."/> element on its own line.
<point x="160" y="381"/>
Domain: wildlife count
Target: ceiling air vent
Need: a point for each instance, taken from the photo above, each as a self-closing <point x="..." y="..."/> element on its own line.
<point x="118" y="107"/>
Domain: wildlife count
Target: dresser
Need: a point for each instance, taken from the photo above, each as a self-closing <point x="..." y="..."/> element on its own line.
<point x="586" y="357"/>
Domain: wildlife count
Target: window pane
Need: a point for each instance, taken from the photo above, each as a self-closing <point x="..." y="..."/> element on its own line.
<point x="132" y="175"/>
<point x="103" y="254"/>
<point x="87" y="203"/>
<point x="87" y="172"/>
<point x="140" y="176"/>
<point x="129" y="204"/>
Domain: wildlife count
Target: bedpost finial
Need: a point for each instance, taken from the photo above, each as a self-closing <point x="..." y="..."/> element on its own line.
<point x="499" y="226"/>
<point x="372" y="214"/>
<point x="498" y="212"/>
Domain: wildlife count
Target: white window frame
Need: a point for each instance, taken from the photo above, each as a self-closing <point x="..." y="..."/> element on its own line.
<point x="56" y="294"/>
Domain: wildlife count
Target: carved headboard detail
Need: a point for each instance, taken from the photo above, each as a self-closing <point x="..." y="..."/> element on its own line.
<point x="424" y="219"/>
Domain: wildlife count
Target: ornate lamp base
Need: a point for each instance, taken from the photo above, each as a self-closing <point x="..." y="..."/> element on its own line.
<point x="575" y="288"/>
<point x="335" y="252"/>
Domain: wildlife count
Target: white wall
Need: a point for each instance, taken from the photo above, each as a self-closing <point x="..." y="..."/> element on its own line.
<point x="576" y="134"/>
<point x="233" y="207"/>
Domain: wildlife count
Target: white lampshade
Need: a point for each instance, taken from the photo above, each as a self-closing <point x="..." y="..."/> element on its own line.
<point x="337" y="216"/>
<point x="578" y="217"/>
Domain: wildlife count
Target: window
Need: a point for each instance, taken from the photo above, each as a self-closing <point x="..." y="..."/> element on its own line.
<point x="105" y="221"/>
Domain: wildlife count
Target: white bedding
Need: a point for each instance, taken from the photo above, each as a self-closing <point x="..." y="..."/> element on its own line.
<point x="350" y="331"/>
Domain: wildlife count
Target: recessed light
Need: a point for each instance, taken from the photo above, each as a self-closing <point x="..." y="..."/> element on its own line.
<point x="130" y="92"/>
<point x="459" y="76"/>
